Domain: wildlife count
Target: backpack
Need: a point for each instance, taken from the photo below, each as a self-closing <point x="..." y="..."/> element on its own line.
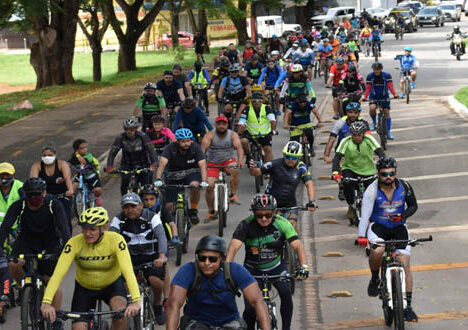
<point x="243" y="81"/>
<point x="230" y="284"/>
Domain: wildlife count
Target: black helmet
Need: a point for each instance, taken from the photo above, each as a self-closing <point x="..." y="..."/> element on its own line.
<point x="34" y="184"/>
<point x="257" y="96"/>
<point x="386" y="162"/>
<point x="358" y="127"/>
<point x="211" y="243"/>
<point x="149" y="189"/>
<point x="351" y="68"/>
<point x="263" y="202"/>
<point x="377" y="66"/>
<point x="198" y="65"/>
<point x="189" y="103"/>
<point x="158" y="119"/>
<point x="254" y="57"/>
<point x="131" y="122"/>
<point x="301" y="98"/>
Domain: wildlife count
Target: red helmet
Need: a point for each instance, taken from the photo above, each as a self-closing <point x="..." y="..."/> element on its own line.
<point x="293" y="38"/>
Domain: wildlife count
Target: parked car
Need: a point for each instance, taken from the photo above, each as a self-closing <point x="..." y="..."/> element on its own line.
<point x="416" y="6"/>
<point x="185" y="40"/>
<point x="450" y="11"/>
<point x="332" y="16"/>
<point x="411" y="20"/>
<point x="270" y="25"/>
<point x="431" y="16"/>
<point x="460" y="4"/>
<point x="378" y="12"/>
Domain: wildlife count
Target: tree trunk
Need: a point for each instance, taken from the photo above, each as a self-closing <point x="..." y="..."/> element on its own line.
<point x="126" y="61"/>
<point x="97" y="72"/>
<point x="192" y="21"/>
<point x="175" y="25"/>
<point x="241" y="24"/>
<point x="203" y="27"/>
<point x="301" y="17"/>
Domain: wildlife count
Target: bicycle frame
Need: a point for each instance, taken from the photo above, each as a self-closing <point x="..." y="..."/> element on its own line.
<point x="221" y="182"/>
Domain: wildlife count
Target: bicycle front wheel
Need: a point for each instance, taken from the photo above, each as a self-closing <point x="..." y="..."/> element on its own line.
<point x="397" y="295"/>
<point x="221" y="210"/>
<point x="179" y="219"/>
<point x="291" y="262"/>
<point x="383" y="130"/>
<point x="307" y="155"/>
<point x="407" y="90"/>
<point x="80" y="204"/>
<point x="29" y="310"/>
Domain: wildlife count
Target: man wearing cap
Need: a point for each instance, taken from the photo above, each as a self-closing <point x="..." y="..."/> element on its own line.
<point x="143" y="230"/>
<point x="219" y="146"/>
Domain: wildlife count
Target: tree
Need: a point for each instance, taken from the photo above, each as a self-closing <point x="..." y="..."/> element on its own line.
<point x="98" y="29"/>
<point x="238" y="16"/>
<point x="7" y="7"/>
<point x="134" y="28"/>
<point x="175" y="7"/>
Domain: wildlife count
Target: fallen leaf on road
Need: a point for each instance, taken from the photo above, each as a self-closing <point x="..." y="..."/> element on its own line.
<point x="336" y="294"/>
<point x="333" y="254"/>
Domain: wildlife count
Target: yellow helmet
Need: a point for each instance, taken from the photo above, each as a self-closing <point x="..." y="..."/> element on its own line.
<point x="94" y="217"/>
<point x="297" y="68"/>
<point x="257" y="88"/>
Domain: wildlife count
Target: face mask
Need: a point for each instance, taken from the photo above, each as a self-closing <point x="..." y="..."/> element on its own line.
<point x="35" y="201"/>
<point x="5" y="182"/>
<point x="48" y="159"/>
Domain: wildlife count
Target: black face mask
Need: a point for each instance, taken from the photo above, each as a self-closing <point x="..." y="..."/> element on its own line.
<point x="6" y="182"/>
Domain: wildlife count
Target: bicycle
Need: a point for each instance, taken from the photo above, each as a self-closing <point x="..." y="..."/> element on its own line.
<point x="316" y="68"/>
<point x="146" y="319"/>
<point x="360" y="187"/>
<point x="256" y="153"/>
<point x="399" y="31"/>
<point x="266" y="287"/>
<point x="170" y="113"/>
<point x="199" y="93"/>
<point x="392" y="286"/>
<point x="307" y="150"/>
<point x="84" y="198"/>
<point x="381" y="126"/>
<point x="375" y="50"/>
<point x="327" y="64"/>
<point x="366" y="45"/>
<point x="96" y="321"/>
<point x="407" y="83"/>
<point x="221" y="197"/>
<point x="31" y="291"/>
<point x="272" y="98"/>
<point x="133" y="184"/>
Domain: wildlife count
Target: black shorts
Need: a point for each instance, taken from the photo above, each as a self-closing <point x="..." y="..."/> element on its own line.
<point x="378" y="232"/>
<point x="85" y="299"/>
<point x="170" y="194"/>
<point x="265" y="141"/>
<point x="44" y="267"/>
<point x="159" y="272"/>
<point x="335" y="91"/>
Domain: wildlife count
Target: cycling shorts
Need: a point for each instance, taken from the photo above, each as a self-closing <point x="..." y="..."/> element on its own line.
<point x="335" y="90"/>
<point x="402" y="73"/>
<point x="159" y="272"/>
<point x="170" y="194"/>
<point x="85" y="299"/>
<point x="265" y="141"/>
<point x="385" y="104"/>
<point x="214" y="172"/>
<point x="44" y="267"/>
<point x="378" y="232"/>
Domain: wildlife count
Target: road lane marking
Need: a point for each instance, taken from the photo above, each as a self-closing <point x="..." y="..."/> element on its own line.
<point x="412" y="117"/>
<point x="416" y="231"/>
<point x="16" y="153"/>
<point x="79" y="121"/>
<point x="425" y="140"/>
<point x="60" y="129"/>
<point x="39" y="141"/>
<point x="425" y="126"/>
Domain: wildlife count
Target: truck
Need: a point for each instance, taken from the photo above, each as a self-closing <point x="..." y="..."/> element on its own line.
<point x="267" y="26"/>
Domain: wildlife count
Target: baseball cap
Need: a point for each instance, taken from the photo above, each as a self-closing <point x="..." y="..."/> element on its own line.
<point x="130" y="198"/>
<point x="222" y="118"/>
<point x="7" y="168"/>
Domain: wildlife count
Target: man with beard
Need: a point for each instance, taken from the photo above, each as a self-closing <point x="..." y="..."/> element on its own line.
<point x="186" y="165"/>
<point x="219" y="145"/>
<point x="384" y="207"/>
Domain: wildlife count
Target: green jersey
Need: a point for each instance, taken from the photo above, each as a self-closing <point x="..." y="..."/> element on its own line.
<point x="359" y="157"/>
<point x="153" y="104"/>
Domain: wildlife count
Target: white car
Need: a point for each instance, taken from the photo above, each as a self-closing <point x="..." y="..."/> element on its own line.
<point x="378" y="12"/>
<point x="451" y="11"/>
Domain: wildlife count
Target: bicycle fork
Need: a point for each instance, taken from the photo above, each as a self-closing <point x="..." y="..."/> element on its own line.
<point x="388" y="277"/>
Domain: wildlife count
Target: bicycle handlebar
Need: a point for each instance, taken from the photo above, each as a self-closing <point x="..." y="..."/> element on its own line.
<point x="64" y="315"/>
<point x="301" y="208"/>
<point x="412" y="242"/>
<point x="283" y="275"/>
<point x="184" y="186"/>
<point x="143" y="266"/>
<point x="39" y="256"/>
<point x="137" y="171"/>
<point x="359" y="179"/>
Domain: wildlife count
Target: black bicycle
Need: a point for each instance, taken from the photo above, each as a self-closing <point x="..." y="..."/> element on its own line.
<point x="199" y="94"/>
<point x="146" y="319"/>
<point x="360" y="188"/>
<point x="98" y="319"/>
<point x="170" y="113"/>
<point x="375" y="49"/>
<point x="133" y="184"/>
<point x="256" y="153"/>
<point x="392" y="284"/>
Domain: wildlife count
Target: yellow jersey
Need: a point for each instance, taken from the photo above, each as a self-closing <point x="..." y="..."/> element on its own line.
<point x="97" y="265"/>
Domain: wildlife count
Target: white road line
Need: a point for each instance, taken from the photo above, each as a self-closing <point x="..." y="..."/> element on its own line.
<point x="412" y="117"/>
<point x="412" y="231"/>
<point x="449" y="154"/>
<point x="441" y="138"/>
<point x="426" y="126"/>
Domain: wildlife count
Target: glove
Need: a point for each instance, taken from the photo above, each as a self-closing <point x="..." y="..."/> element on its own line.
<point x="204" y="184"/>
<point x="362" y="241"/>
<point x="153" y="167"/>
<point x="312" y="204"/>
<point x="336" y="176"/>
<point x="303" y="271"/>
<point x="158" y="183"/>
<point x="175" y="240"/>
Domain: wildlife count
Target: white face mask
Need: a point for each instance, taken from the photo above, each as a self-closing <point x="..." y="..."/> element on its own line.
<point x="48" y="159"/>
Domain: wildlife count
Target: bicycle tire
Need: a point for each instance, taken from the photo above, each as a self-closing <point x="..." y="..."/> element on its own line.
<point x="179" y="219"/>
<point x="79" y="205"/>
<point x="397" y="295"/>
<point x="382" y="131"/>
<point x="221" y="211"/>
<point x="103" y="325"/>
<point x="186" y="239"/>
<point x="274" y="320"/>
<point x="307" y="156"/>
<point x="325" y="71"/>
<point x="258" y="179"/>
<point x="407" y="90"/>
<point x="27" y="308"/>
<point x="291" y="262"/>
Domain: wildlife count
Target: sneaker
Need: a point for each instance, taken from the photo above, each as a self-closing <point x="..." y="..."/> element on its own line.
<point x="373" y="288"/>
<point x="351" y="214"/>
<point x="413" y="85"/>
<point x="390" y="136"/>
<point x="410" y="315"/>
<point x="372" y="126"/>
<point x="341" y="195"/>
<point x="193" y="217"/>
<point x="234" y="200"/>
<point x="402" y="95"/>
<point x="210" y="216"/>
<point x="160" y="314"/>
<point x="336" y="116"/>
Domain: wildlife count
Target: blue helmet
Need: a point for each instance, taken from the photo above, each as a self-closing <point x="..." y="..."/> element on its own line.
<point x="408" y="49"/>
<point x="183" y="133"/>
<point x="340" y="60"/>
<point x="353" y="106"/>
<point x="274" y="36"/>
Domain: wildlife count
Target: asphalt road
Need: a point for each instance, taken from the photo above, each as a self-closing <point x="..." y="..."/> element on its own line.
<point x="431" y="149"/>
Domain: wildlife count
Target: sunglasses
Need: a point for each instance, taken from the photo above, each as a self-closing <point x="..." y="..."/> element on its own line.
<point x="264" y="215"/>
<point x="212" y="259"/>
<point x="291" y="157"/>
<point x="387" y="174"/>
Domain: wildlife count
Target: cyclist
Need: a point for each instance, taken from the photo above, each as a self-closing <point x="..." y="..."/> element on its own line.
<point x="264" y="234"/>
<point x="159" y="134"/>
<point x="326" y="55"/>
<point x="335" y="44"/>
<point x="149" y="104"/>
<point x="297" y="84"/>
<point x="298" y="115"/>
<point x="144" y="233"/>
<point x="378" y="84"/>
<point x="262" y="55"/>
<point x="209" y="287"/>
<point x="285" y="175"/>
<point x="339" y="131"/>
<point x="192" y="117"/>
<point x="234" y="88"/>
<point x="82" y="158"/>
<point x="44" y="228"/>
<point x="456" y="30"/>
<point x="137" y="152"/>
<point x="274" y="43"/>
<point x="186" y="165"/>
<point x="253" y="69"/>
<point x="357" y="150"/>
<point x="376" y="39"/>
<point x="10" y="187"/>
<point x="219" y="146"/>
<point x="182" y="78"/>
<point x="248" y="52"/>
<point x="271" y="74"/>
<point x="353" y="45"/>
<point x="341" y="34"/>
<point x="346" y="52"/>
<point x="288" y="56"/>
<point x="216" y="60"/>
<point x="407" y="62"/>
<point x="384" y="208"/>
<point x="101" y="258"/>
<point x="337" y="70"/>
<point x="257" y="121"/>
<point x="352" y="85"/>
<point x="233" y="54"/>
<point x="171" y="89"/>
<point x="200" y="77"/>
<point x="305" y="57"/>
<point x="219" y="74"/>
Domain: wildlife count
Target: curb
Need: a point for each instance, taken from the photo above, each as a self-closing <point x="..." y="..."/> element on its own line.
<point x="458" y="107"/>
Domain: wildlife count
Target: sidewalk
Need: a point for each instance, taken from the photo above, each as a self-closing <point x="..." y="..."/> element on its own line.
<point x="458" y="107"/>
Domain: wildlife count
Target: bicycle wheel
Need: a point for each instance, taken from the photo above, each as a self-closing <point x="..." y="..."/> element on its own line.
<point x="221" y="210"/>
<point x="383" y="131"/>
<point x="325" y="72"/>
<point x="29" y="310"/>
<point x="274" y="320"/>
<point x="258" y="179"/>
<point x="187" y="236"/>
<point x="146" y="318"/>
<point x="397" y="295"/>
<point x="179" y="219"/>
<point x="79" y="204"/>
<point x="306" y="157"/>
<point x="376" y="54"/>
<point x="387" y="311"/>
<point x="407" y="90"/>
<point x="291" y="262"/>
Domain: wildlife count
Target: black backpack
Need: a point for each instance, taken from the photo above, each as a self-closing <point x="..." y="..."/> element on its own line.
<point x="230" y="284"/>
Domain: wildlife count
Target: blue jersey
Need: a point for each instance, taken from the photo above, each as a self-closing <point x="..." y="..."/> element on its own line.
<point x="300" y="116"/>
<point x="270" y="76"/>
<point x="236" y="86"/>
<point x="375" y="35"/>
<point x="406" y="62"/>
<point x="384" y="208"/>
<point x="379" y="85"/>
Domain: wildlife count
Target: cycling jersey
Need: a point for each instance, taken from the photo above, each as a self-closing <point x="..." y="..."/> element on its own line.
<point x="352" y="83"/>
<point x="357" y="157"/>
<point x="290" y="52"/>
<point x="300" y="116"/>
<point x="377" y="86"/>
<point x="341" y="128"/>
<point x="353" y="45"/>
<point x="336" y="73"/>
<point x="16" y="193"/>
<point x="375" y="36"/>
<point x="97" y="265"/>
<point x="170" y="92"/>
<point x="377" y="208"/>
<point x="299" y="86"/>
<point x="248" y="53"/>
<point x="136" y="153"/>
<point x="201" y="77"/>
<point x="258" y="122"/>
<point x="366" y="32"/>
<point x="195" y="120"/>
<point x="284" y="180"/>
<point x="335" y="45"/>
<point x="305" y="57"/>
<point x="151" y="104"/>
<point x="220" y="74"/>
<point x="253" y="72"/>
<point x="234" y="88"/>
<point x="270" y="75"/>
<point x="325" y="51"/>
<point x="233" y="55"/>
<point x="160" y="139"/>
<point x="181" y="164"/>
<point x="407" y="62"/>
<point x="264" y="245"/>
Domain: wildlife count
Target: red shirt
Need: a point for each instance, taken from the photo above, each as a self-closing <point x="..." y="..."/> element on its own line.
<point x="337" y="73"/>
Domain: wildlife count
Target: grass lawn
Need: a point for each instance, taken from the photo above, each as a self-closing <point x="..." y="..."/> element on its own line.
<point x="16" y="70"/>
<point x="462" y="95"/>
